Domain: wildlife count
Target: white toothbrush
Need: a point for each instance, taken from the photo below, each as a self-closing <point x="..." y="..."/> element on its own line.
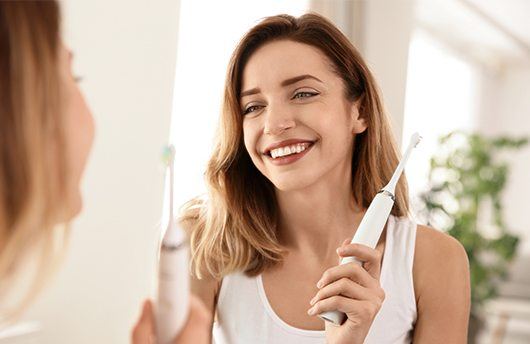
<point x="374" y="221"/>
<point x="172" y="304"/>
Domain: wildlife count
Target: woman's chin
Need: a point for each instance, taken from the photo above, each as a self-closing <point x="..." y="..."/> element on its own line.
<point x="73" y="209"/>
<point x="291" y="184"/>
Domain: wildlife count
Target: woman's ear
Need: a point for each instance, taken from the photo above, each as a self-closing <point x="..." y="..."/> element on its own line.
<point x="358" y="123"/>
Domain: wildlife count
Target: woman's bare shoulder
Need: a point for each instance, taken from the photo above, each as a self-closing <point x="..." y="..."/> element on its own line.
<point x="435" y="244"/>
<point x="439" y="258"/>
<point x="442" y="288"/>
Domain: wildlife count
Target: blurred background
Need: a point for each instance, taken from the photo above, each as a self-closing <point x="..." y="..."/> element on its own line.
<point x="153" y="72"/>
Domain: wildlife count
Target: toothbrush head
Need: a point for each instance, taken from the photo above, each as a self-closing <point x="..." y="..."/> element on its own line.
<point x="168" y="155"/>
<point x="415" y="139"/>
<point x="391" y="186"/>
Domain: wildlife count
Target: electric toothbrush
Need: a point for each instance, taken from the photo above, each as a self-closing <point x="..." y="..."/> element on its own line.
<point x="172" y="304"/>
<point x="374" y="221"/>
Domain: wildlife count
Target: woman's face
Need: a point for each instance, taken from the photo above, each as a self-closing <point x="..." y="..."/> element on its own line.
<point x="79" y="126"/>
<point x="291" y="99"/>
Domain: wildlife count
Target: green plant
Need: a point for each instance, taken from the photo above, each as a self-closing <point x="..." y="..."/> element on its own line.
<point x="464" y="176"/>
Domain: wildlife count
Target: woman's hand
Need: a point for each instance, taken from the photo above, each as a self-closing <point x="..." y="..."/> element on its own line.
<point x="197" y="329"/>
<point x="352" y="289"/>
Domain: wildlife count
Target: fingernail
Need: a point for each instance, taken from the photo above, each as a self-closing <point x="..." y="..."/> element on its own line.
<point x="319" y="284"/>
<point x="340" y="250"/>
<point x="311" y="311"/>
<point x="313" y="300"/>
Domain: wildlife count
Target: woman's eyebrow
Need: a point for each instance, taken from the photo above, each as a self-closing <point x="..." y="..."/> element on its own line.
<point x="291" y="81"/>
<point x="284" y="83"/>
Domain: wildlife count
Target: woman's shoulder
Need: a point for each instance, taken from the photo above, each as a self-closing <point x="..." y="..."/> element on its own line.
<point x="433" y="245"/>
<point x="438" y="258"/>
<point x="435" y="250"/>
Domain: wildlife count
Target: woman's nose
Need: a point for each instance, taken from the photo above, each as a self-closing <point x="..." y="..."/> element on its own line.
<point x="277" y="122"/>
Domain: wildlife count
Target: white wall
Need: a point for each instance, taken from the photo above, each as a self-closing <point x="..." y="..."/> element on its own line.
<point x="506" y="111"/>
<point x="387" y="31"/>
<point x="126" y="52"/>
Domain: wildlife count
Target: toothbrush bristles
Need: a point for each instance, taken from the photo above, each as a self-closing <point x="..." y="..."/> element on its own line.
<point x="415" y="139"/>
<point x="168" y="154"/>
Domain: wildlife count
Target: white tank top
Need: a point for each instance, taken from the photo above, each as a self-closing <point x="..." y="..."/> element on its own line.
<point x="244" y="314"/>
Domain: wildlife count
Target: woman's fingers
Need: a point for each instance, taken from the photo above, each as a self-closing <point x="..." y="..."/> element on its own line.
<point x="370" y="257"/>
<point x="353" y="271"/>
<point x="346" y="242"/>
<point x="344" y="287"/>
<point x="352" y="288"/>
<point x="355" y="309"/>
<point x="360" y="251"/>
<point x="144" y="330"/>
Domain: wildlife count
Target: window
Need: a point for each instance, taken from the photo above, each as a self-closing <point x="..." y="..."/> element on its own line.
<point x="208" y="33"/>
<point x="442" y="90"/>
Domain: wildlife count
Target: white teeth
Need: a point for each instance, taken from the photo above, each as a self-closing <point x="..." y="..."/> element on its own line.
<point x="284" y="151"/>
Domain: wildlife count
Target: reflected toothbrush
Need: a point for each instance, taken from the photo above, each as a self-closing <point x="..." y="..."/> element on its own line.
<point x="172" y="304"/>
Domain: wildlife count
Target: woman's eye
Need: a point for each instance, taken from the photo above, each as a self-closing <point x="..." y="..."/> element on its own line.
<point x="304" y="95"/>
<point x="251" y="109"/>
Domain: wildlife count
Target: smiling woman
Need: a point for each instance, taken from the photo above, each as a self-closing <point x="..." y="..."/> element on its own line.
<point x="303" y="146"/>
<point x="236" y="184"/>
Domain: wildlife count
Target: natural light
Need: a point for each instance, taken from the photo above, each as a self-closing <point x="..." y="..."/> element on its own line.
<point x="441" y="97"/>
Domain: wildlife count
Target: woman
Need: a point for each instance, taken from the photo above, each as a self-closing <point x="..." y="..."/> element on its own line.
<point x="303" y="147"/>
<point x="46" y="133"/>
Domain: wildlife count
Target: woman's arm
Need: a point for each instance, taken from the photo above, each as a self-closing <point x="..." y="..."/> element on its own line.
<point x="442" y="288"/>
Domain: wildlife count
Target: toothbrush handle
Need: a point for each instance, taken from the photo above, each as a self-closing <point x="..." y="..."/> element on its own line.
<point x="368" y="234"/>
<point x="173" y="293"/>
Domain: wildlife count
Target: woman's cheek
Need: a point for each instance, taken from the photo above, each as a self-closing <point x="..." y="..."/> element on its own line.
<point x="249" y="138"/>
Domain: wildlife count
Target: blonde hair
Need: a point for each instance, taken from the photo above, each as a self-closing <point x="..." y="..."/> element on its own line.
<point x="235" y="227"/>
<point x="33" y="174"/>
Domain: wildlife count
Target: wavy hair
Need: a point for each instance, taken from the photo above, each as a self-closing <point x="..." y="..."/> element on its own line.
<point x="33" y="173"/>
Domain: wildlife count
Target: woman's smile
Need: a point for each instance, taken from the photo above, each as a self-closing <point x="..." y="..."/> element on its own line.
<point x="289" y="154"/>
